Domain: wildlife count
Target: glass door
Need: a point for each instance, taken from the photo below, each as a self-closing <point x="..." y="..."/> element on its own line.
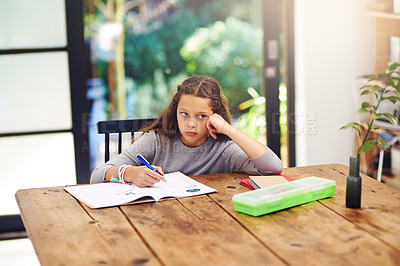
<point x="41" y="130"/>
<point x="141" y="50"/>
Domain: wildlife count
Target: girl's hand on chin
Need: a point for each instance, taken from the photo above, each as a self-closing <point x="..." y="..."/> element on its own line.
<point x="217" y="124"/>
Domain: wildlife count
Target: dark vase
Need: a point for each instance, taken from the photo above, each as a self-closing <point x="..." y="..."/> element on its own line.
<point x="353" y="184"/>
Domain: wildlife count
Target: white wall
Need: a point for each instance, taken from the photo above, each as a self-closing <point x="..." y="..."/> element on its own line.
<point x="333" y="47"/>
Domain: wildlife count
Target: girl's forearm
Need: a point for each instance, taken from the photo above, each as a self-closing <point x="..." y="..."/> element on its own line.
<point x="252" y="147"/>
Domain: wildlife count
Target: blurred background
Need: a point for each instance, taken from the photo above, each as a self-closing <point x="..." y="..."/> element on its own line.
<point x="290" y="70"/>
<point x="139" y="57"/>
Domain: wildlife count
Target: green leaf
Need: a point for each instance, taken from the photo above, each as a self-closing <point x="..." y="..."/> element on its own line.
<point x="393" y="99"/>
<point x="394" y="66"/>
<point x="383" y="75"/>
<point x="350" y="125"/>
<point x="375" y="115"/>
<point x="362" y="111"/>
<point x="372" y="77"/>
<point x="358" y="131"/>
<point x="392" y="119"/>
<point x="382" y="146"/>
<point x="365" y="86"/>
<point x="364" y="92"/>
<point x="367" y="146"/>
<point x="393" y="82"/>
<point x="365" y="105"/>
<point x="382" y="141"/>
<point x="375" y="88"/>
<point x="398" y="87"/>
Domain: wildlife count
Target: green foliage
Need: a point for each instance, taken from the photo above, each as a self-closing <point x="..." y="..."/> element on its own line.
<point x="153" y="50"/>
<point x="144" y="53"/>
<point x="385" y="87"/>
<point x="253" y="122"/>
<point x="230" y="51"/>
<point x="159" y="49"/>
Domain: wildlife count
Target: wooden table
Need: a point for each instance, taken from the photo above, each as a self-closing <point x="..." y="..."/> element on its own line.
<point x="205" y="230"/>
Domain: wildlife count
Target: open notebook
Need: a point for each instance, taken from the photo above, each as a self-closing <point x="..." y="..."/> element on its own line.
<point x="109" y="194"/>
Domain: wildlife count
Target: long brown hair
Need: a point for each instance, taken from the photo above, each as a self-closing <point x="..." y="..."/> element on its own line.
<point x="199" y="86"/>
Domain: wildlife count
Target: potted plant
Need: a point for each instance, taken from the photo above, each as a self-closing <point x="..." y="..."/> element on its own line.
<point x="383" y="87"/>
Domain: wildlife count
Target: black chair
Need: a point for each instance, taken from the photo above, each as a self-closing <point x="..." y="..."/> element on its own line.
<point x="120" y="126"/>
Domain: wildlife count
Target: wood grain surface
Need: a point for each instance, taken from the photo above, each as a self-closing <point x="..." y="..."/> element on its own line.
<point x="205" y="230"/>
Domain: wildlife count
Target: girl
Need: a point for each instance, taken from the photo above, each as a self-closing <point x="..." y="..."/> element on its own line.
<point x="193" y="136"/>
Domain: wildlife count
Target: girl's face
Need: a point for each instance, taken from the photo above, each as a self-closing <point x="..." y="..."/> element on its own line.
<point x="192" y="114"/>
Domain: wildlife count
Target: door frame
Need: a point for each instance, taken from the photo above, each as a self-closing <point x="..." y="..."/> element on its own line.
<point x="79" y="103"/>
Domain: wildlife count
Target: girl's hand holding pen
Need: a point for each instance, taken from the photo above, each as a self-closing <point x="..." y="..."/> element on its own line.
<point x="142" y="176"/>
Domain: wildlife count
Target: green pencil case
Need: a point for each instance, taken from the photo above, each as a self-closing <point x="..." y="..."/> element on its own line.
<point x="278" y="197"/>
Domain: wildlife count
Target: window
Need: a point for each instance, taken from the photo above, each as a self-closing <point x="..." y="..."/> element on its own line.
<point x="138" y="59"/>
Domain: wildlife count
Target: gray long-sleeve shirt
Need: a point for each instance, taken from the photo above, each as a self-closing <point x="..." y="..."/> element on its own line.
<point x="172" y="155"/>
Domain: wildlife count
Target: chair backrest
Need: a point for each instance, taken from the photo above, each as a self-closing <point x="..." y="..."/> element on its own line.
<point x="119" y="126"/>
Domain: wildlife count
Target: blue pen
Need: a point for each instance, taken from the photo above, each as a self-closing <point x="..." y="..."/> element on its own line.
<point x="145" y="162"/>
